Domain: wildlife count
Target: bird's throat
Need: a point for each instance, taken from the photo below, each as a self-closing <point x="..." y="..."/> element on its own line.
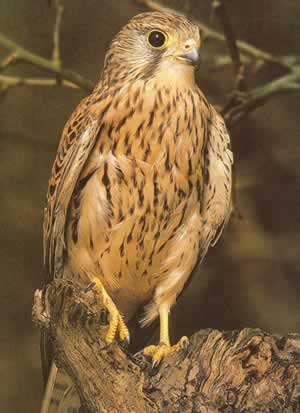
<point x="175" y="73"/>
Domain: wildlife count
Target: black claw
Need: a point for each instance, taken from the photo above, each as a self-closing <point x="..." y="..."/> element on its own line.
<point x="186" y="345"/>
<point x="127" y="339"/>
<point x="154" y="368"/>
<point x="125" y="343"/>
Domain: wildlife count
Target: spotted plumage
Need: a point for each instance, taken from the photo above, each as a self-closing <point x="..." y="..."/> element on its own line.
<point x="141" y="184"/>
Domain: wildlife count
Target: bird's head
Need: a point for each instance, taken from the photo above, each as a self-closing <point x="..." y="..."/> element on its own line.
<point x="159" y="46"/>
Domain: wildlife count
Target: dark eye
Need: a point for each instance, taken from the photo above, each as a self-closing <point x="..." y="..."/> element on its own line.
<point x="157" y="39"/>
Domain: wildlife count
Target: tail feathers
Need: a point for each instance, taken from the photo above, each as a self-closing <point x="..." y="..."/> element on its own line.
<point x="60" y="393"/>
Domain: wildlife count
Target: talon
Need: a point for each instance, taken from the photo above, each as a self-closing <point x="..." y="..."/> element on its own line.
<point x="127" y="339"/>
<point x="116" y="323"/>
<point x="123" y="331"/>
<point x="159" y="352"/>
<point x="184" y="342"/>
<point x="126" y="342"/>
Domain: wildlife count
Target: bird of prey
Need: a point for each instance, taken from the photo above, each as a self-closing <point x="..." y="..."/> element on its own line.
<point x="141" y="184"/>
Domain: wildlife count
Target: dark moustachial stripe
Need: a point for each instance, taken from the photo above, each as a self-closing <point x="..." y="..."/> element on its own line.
<point x="150" y="69"/>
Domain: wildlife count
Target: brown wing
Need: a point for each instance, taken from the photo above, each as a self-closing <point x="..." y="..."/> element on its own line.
<point x="77" y="142"/>
<point x="216" y="200"/>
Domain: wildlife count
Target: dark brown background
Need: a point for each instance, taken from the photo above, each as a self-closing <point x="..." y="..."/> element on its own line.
<point x="251" y="278"/>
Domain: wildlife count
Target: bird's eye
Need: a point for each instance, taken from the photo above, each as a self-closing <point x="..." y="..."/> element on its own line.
<point x="157" y="39"/>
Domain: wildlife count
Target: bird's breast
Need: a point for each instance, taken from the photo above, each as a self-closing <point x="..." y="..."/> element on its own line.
<point x="144" y="183"/>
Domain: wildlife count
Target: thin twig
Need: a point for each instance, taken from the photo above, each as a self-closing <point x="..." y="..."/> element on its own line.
<point x="17" y="53"/>
<point x="7" y="82"/>
<point x="59" y="7"/>
<point x="9" y="60"/>
<point x="220" y="10"/>
<point x="260" y="95"/>
<point x="47" y="64"/>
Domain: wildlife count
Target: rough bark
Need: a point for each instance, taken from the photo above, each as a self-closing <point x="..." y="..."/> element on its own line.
<point x="238" y="371"/>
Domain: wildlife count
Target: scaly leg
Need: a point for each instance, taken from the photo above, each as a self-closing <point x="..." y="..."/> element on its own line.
<point x="116" y="323"/>
<point x="164" y="348"/>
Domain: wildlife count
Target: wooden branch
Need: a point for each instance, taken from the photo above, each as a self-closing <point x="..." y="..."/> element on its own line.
<point x="234" y="371"/>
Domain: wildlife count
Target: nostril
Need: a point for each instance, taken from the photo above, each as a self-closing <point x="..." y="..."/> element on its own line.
<point x="189" y="44"/>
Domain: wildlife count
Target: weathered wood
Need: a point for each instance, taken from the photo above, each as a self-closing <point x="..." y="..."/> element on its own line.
<point x="245" y="371"/>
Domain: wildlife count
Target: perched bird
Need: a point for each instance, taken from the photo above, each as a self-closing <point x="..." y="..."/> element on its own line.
<point x="141" y="184"/>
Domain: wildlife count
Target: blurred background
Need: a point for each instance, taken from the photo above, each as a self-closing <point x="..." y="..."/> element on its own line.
<point x="251" y="278"/>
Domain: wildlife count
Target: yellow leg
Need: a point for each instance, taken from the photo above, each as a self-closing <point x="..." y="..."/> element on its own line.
<point x="164" y="348"/>
<point x="116" y="323"/>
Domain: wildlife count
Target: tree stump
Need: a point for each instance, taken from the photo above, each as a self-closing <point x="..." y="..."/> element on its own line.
<point x="237" y="371"/>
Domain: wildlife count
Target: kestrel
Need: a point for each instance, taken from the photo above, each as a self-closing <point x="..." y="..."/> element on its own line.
<point x="141" y="184"/>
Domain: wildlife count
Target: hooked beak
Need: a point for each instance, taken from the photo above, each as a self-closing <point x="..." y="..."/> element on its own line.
<point x="192" y="57"/>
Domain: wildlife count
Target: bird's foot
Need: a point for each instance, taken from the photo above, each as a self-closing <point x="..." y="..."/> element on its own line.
<point x="157" y="353"/>
<point x="117" y="327"/>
